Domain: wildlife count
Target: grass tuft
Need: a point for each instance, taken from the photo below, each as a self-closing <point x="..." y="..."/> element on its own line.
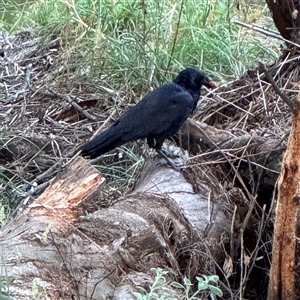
<point x="134" y="43"/>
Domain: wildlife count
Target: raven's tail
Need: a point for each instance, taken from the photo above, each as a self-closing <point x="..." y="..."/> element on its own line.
<point x="102" y="143"/>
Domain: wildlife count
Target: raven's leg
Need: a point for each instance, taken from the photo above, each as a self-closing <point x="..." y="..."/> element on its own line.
<point x="157" y="145"/>
<point x="151" y="141"/>
<point x="169" y="161"/>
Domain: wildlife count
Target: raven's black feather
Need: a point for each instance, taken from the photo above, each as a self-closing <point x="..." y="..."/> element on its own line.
<point x="157" y="116"/>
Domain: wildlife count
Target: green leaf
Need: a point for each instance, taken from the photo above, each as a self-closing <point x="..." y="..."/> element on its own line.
<point x="202" y="284"/>
<point x="187" y="282"/>
<point x="159" y="284"/>
<point x="177" y="285"/>
<point x="214" y="278"/>
<point x="200" y="280"/>
<point x="216" y="290"/>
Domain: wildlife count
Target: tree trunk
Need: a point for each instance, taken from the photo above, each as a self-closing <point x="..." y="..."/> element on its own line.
<point x="286" y="18"/>
<point x="52" y="249"/>
<point x="282" y="274"/>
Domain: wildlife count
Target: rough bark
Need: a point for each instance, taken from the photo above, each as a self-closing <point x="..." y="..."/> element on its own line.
<point x="32" y="244"/>
<point x="221" y="144"/>
<point x="52" y="247"/>
<point x="286" y="17"/>
<point x="166" y="221"/>
<point x="282" y="274"/>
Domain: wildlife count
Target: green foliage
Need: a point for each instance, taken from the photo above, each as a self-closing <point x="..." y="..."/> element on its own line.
<point x="11" y="186"/>
<point x="139" y="41"/>
<point x="204" y="283"/>
<point x="160" y="288"/>
<point x="159" y="284"/>
<point x="10" y="196"/>
<point x="5" y="282"/>
<point x="203" y="286"/>
<point x="49" y="13"/>
<point x="123" y="172"/>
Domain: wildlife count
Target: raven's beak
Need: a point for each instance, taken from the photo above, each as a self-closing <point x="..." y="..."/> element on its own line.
<point x="209" y="83"/>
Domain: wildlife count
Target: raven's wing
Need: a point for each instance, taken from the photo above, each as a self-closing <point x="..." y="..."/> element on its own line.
<point x="160" y="113"/>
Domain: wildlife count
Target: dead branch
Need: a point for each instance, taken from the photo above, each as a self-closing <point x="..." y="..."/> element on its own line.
<point x="282" y="95"/>
<point x="266" y="32"/>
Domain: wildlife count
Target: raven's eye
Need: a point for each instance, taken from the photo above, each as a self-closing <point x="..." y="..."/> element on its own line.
<point x="198" y="79"/>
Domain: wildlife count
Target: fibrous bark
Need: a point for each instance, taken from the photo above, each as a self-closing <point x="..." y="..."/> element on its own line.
<point x="282" y="274"/>
<point x="286" y="17"/>
<point x="52" y="246"/>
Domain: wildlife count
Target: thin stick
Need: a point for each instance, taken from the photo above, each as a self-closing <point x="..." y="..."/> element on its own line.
<point x="282" y="95"/>
<point x="266" y="32"/>
<point x="74" y="104"/>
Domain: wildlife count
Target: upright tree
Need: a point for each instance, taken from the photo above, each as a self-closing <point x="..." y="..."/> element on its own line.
<point x="286" y="18"/>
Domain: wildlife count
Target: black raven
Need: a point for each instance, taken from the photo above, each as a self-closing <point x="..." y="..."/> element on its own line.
<point x="158" y="116"/>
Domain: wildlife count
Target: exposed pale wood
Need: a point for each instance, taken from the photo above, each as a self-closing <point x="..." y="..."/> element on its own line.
<point x="33" y="244"/>
<point x="282" y="274"/>
<point x="110" y="252"/>
<point x="61" y="201"/>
